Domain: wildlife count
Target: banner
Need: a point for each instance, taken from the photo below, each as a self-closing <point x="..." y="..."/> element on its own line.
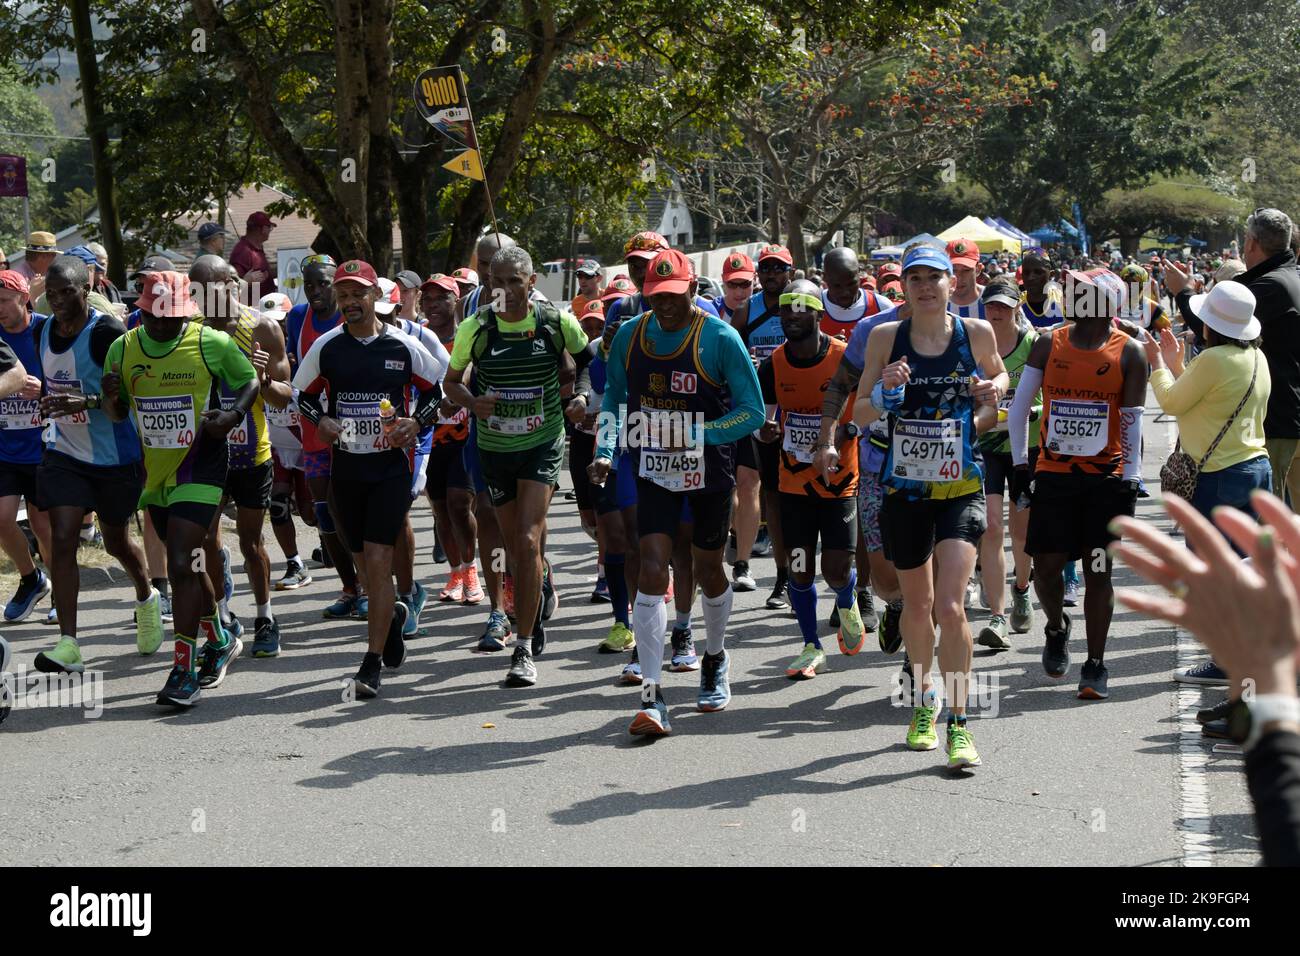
<point x="442" y="100"/>
<point x="13" y="176"/>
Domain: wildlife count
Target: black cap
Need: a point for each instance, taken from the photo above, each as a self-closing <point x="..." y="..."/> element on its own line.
<point x="1001" y="288"/>
<point x="407" y="279"/>
<point x="154" y="264"/>
<point x="208" y="230"/>
<point x="589" y="267"/>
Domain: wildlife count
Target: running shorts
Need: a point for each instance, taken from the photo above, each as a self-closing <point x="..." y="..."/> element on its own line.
<point x="18" y="479"/>
<point x="251" y="487"/>
<point x="1070" y="514"/>
<point x="661" y="512"/>
<point x="447" y="470"/>
<point x="373" y="511"/>
<point x="912" y="527"/>
<point x="197" y="512"/>
<point x="503" y="470"/>
<point x="582" y="448"/>
<point x="316" y="464"/>
<point x="111" y="491"/>
<point x="998" y="469"/>
<point x="805" y="518"/>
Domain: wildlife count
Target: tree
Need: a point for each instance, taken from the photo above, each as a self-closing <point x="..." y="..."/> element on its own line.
<point x="22" y="112"/>
<point x="1179" y="206"/>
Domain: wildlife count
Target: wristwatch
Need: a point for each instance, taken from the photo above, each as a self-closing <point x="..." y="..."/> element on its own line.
<point x="93" y="401"/>
<point x="851" y="431"/>
<point x="1245" y="719"/>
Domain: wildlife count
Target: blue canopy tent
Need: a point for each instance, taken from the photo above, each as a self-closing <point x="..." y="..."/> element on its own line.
<point x="926" y="238"/>
<point x="1011" y="230"/>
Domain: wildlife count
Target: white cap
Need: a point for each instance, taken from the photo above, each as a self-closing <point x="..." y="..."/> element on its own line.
<point x="387" y="293"/>
<point x="276" y="305"/>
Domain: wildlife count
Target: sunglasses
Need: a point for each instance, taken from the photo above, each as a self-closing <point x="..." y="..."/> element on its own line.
<point x="775" y="265"/>
<point x="740" y="284"/>
<point x="318" y="260"/>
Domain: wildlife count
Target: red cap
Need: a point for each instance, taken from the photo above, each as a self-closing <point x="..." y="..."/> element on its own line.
<point x="594" y="307"/>
<point x="166" y="294"/>
<point x="354" y="270"/>
<point x="867" y="282"/>
<point x="9" y="279"/>
<point x="259" y="218"/>
<point x="618" y="287"/>
<point x="737" y="266"/>
<point x="776" y="252"/>
<point x="466" y="276"/>
<point x="889" y="269"/>
<point x="891" y="282"/>
<point x="644" y="245"/>
<point x="440" y="281"/>
<point x="670" y="271"/>
<point x="963" y="252"/>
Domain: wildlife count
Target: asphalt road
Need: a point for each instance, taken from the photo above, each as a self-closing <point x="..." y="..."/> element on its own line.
<point x="449" y="767"/>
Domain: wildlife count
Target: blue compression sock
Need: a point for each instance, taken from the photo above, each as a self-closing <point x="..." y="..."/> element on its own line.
<point x="844" y="596"/>
<point x="617" y="581"/>
<point x="803" y="598"/>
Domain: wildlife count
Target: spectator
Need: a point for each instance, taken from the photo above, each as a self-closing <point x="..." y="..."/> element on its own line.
<point x="409" y="283"/>
<point x="94" y="298"/>
<point x="1272" y="277"/>
<point x="41" y="251"/>
<point x="249" y="257"/>
<point x="102" y="284"/>
<point x="212" y="240"/>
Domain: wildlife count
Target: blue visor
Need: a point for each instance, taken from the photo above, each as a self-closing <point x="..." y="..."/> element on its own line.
<point x="927" y="256"/>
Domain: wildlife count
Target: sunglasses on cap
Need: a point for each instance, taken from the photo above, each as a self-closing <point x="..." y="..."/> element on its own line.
<point x="318" y="260"/>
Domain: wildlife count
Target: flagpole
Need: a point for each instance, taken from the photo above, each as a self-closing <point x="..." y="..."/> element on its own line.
<point x="473" y="132"/>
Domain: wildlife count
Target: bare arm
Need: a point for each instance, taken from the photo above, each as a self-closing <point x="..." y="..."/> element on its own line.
<point x="13" y="381"/>
<point x="273" y="377"/>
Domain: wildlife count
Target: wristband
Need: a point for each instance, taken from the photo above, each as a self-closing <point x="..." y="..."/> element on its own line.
<point x="891" y="398"/>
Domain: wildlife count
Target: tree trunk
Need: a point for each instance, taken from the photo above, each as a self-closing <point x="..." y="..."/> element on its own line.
<point x="413" y="182"/>
<point x="794" y="226"/>
<point x="379" y="172"/>
<point x="110" y="225"/>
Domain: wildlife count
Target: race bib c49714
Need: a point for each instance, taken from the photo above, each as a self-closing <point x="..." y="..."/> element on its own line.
<point x="927" y="450"/>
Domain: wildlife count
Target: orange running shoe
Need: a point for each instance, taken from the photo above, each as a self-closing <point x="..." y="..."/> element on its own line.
<point x="473" y="590"/>
<point x="455" y="589"/>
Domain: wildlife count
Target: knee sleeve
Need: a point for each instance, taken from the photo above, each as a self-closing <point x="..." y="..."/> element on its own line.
<point x="280" y="509"/>
<point x="324" y="520"/>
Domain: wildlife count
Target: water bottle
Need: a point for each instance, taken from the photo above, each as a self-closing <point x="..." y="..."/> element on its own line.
<point x="387" y="416"/>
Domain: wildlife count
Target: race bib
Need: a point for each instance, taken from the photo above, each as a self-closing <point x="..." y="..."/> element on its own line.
<point x="239" y="434"/>
<point x="166" y="421"/>
<point x="1004" y="410"/>
<point x="927" y="450"/>
<point x="673" y="470"/>
<point x="70" y="386"/>
<point x="18" y="413"/>
<point x="518" y="411"/>
<point x="363" y="432"/>
<point x="1078" y="428"/>
<point x="282" y="417"/>
<point x="799" y="435"/>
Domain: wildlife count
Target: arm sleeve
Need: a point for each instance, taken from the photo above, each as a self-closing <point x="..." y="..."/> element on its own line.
<point x="225" y="358"/>
<point x="737" y="370"/>
<point x="1031" y="380"/>
<point x="583" y="385"/>
<point x="1273" y="776"/>
<point x="1130" y="423"/>
<point x="767" y="381"/>
<point x="426" y="373"/>
<point x="615" y="393"/>
<point x="463" y="344"/>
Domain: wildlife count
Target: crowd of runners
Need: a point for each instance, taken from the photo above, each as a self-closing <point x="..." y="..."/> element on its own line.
<point x="880" y="427"/>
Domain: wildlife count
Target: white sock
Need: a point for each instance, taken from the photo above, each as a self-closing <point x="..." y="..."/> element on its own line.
<point x="153" y="593"/>
<point x="649" y="619"/>
<point x="294" y="559"/>
<point x="264" y="610"/>
<point x="717" y="611"/>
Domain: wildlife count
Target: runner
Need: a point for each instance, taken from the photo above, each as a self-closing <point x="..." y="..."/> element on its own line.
<point x="289" y="491"/>
<point x="517" y="352"/>
<point x="450" y="490"/>
<point x="923" y="373"/>
<point x="737" y="287"/>
<point x="1000" y="307"/>
<point x="1094" y="387"/>
<point x="91" y="463"/>
<point x="582" y="440"/>
<point x="792" y="380"/>
<point x="305" y="324"/>
<point x="251" y="473"/>
<point x="1041" y="308"/>
<point x="175" y="369"/>
<point x="669" y="367"/>
<point x="367" y="368"/>
<point x="20" y="446"/>
<point x="965" y="257"/>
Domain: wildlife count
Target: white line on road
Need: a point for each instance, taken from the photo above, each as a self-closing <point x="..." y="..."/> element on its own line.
<point x="1198" y="849"/>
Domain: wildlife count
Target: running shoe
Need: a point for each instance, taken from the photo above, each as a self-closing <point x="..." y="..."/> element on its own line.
<point x="891" y="628"/>
<point x="538" y="639"/>
<point x="419" y="598"/>
<point x="322" y="557"/>
<point x="181" y="689"/>
<point x="342" y="607"/>
<point x="214" y="661"/>
<point x="741" y="579"/>
<point x="808" y="664"/>
<point x="1206" y="673"/>
<point x="366" y="684"/>
<point x="994" y="634"/>
<point x="148" y="624"/>
<point x="850" y="633"/>
<point x="1217" y="729"/>
<point x="684" y="657"/>
<point x="227" y="580"/>
<point x="961" y="747"/>
<point x="1219" y="711"/>
<point x="361" y="610"/>
<point x="651" y="720"/>
<point x="164" y="610"/>
<point x="234" y="627"/>
<point x="867" y="608"/>
<point x="631" y="670"/>
<point x="395" y="645"/>
<point x="266" y="637"/>
<point x="25" y="598"/>
<point x="455" y="589"/>
<point x="65" y="658"/>
<point x="550" y="598"/>
<point x="715" y="688"/>
<point x="600" y="593"/>
<point x="762" y="544"/>
<point x="508" y="595"/>
<point x="1022" y="612"/>
<point x="1071" y="594"/>
<point x="497" y="633"/>
<point x="473" y="590"/>
<point x="1092" y="680"/>
<point x="523" y="672"/>
<point x="1056" y="654"/>
<point x="52" y="616"/>
<point x="618" y="640"/>
<point x="777" y="599"/>
<point x="6" y="684"/>
<point x="295" y="576"/>
<point x="921" y="734"/>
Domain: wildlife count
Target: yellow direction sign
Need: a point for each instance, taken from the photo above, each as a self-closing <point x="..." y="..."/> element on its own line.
<point x="466" y="164"/>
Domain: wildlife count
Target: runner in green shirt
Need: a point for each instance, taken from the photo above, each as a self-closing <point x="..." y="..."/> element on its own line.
<point x="174" y="370"/>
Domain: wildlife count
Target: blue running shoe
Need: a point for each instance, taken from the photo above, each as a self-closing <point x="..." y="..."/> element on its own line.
<point x="227" y="582"/>
<point x="600" y="592"/>
<point x="715" y="690"/>
<point x="266" y="642"/>
<point x="496" y="634"/>
<point x="651" y="720"/>
<point x="25" y="598"/>
<point x="414" y="605"/>
<point x="181" y="689"/>
<point x="343" y="606"/>
<point x="361" y="610"/>
<point x="233" y="627"/>
<point x="684" y="657"/>
<point x="215" y="661"/>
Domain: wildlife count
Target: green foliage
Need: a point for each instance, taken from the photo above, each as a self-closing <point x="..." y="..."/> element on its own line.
<point x="21" y="111"/>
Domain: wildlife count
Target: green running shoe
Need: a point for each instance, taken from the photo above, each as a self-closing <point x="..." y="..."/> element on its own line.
<point x="618" y="640"/>
<point x="807" y="664"/>
<point x="920" y="733"/>
<point x="961" y="747"/>
<point x="994" y="634"/>
<point x="64" y="659"/>
<point x="148" y="624"/>
<point x="1022" y="612"/>
<point x="851" y="631"/>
